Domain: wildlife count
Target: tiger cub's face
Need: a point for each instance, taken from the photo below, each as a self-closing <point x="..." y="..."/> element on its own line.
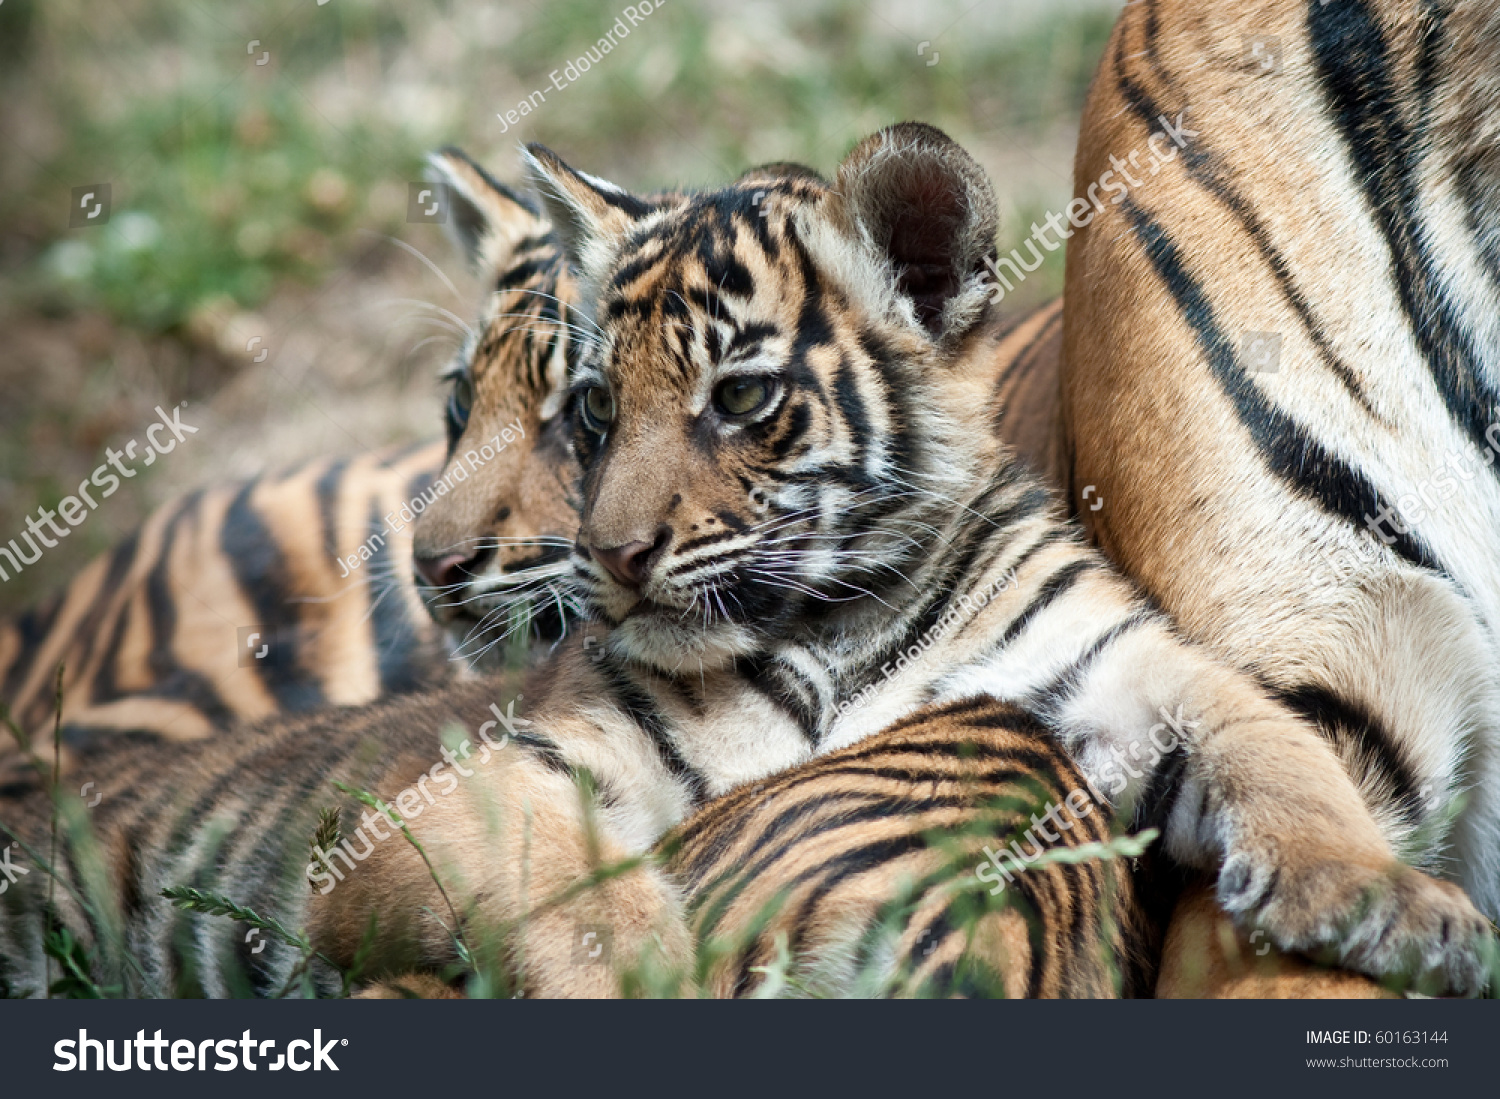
<point x="491" y="548"/>
<point x="759" y="408"/>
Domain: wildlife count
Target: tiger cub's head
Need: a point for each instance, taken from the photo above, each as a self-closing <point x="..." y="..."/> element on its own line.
<point x="762" y="409"/>
<point x="491" y="548"/>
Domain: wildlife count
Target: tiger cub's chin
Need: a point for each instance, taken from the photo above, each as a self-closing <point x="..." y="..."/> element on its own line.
<point x="673" y="641"/>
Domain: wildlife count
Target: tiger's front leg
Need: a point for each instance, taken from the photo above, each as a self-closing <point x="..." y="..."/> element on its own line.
<point x="1299" y="855"/>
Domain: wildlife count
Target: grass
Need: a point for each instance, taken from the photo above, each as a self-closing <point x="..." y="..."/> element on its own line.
<point x="229" y="180"/>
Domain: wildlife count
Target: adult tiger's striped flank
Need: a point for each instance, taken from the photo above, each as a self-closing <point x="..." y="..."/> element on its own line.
<point x="1321" y="511"/>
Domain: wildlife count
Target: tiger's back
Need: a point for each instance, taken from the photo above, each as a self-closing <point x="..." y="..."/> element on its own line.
<point x="281" y="593"/>
<point x="856" y="861"/>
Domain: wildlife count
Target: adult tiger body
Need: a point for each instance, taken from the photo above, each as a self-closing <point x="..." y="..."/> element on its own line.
<point x="913" y="568"/>
<point x="1323" y="515"/>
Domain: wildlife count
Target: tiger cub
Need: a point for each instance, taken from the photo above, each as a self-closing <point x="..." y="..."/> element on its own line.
<point x="798" y="536"/>
<point x="295" y="590"/>
<point x="1281" y="378"/>
<point x="508" y="372"/>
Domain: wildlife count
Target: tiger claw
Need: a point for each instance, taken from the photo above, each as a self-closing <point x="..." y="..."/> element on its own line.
<point x="1389" y="922"/>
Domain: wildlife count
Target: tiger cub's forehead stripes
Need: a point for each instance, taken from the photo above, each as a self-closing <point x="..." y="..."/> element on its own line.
<point x="725" y="287"/>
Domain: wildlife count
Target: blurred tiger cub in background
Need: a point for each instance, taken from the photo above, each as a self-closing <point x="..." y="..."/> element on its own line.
<point x="162" y="633"/>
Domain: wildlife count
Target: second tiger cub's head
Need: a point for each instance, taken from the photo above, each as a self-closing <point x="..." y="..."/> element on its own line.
<point x="491" y="546"/>
<point x="755" y="408"/>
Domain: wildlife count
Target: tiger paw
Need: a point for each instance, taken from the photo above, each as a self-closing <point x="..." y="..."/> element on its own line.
<point x="1390" y="922"/>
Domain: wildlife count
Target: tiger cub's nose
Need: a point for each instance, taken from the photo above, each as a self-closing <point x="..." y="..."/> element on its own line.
<point x="631" y="563"/>
<point x="445" y="571"/>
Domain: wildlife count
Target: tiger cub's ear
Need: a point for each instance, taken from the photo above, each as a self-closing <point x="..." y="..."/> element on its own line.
<point x="928" y="208"/>
<point x="485" y="218"/>
<point x="590" y="215"/>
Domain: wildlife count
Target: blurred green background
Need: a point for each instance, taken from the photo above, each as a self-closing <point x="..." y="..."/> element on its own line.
<point x="253" y="206"/>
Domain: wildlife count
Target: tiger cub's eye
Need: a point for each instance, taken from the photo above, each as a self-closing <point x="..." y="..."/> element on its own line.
<point x="741" y="396"/>
<point x="462" y="400"/>
<point x="599" y="406"/>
